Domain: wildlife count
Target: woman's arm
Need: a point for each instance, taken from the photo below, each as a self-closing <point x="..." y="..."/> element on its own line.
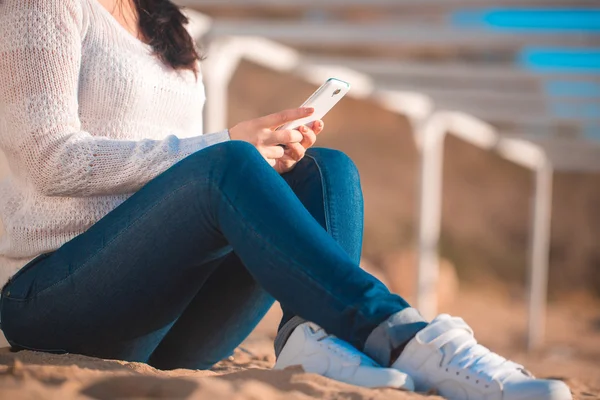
<point x="40" y="56"/>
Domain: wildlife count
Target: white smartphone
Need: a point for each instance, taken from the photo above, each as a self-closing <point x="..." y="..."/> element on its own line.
<point x="323" y="100"/>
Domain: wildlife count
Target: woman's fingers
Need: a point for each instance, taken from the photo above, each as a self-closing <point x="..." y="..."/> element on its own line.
<point x="284" y="136"/>
<point x="295" y="151"/>
<point x="294" y="141"/>
<point x="318" y="126"/>
<point x="309" y="137"/>
<point x="272" y="152"/>
<point x="283" y="117"/>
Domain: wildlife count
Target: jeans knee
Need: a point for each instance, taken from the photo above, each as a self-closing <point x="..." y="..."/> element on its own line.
<point x="225" y="158"/>
<point x="236" y="150"/>
<point x="335" y="160"/>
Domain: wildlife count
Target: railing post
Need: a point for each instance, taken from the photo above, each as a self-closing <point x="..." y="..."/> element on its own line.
<point x="430" y="214"/>
<point x="222" y="61"/>
<point x="539" y="253"/>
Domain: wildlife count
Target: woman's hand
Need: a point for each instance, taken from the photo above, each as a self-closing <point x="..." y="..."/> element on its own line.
<point x="295" y="152"/>
<point x="263" y="135"/>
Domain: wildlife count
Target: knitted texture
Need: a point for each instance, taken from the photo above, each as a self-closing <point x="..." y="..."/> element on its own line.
<point x="88" y="115"/>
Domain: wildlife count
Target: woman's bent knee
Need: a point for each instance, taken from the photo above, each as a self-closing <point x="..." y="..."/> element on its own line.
<point x="334" y="160"/>
<point x="220" y="156"/>
<point x="230" y="150"/>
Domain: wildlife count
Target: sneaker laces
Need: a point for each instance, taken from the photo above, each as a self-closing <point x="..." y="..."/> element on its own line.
<point x="461" y="351"/>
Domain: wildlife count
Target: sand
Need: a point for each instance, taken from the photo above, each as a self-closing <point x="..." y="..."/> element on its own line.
<point x="572" y="353"/>
<point x="30" y="375"/>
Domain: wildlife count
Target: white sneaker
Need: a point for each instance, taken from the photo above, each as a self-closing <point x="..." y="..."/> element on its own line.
<point x="446" y="357"/>
<point x="310" y="347"/>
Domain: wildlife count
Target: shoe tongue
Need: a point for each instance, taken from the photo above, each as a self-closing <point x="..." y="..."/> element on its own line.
<point x="449" y="335"/>
<point x="441" y="325"/>
<point x="452" y="347"/>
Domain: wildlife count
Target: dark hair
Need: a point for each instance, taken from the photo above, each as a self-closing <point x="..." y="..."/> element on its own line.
<point x="162" y="25"/>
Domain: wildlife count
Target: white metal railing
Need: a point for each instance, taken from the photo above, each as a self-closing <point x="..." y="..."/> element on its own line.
<point x="519" y="151"/>
<point x="391" y="34"/>
<point x="431" y="128"/>
<point x="225" y="54"/>
<point x="450" y="71"/>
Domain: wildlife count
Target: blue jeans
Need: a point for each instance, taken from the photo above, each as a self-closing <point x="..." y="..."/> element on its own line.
<point x="181" y="272"/>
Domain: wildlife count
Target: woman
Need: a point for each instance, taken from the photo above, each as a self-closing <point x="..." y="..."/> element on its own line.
<point x="131" y="235"/>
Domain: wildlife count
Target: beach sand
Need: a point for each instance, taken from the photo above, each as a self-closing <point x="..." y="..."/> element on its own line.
<point x="572" y="353"/>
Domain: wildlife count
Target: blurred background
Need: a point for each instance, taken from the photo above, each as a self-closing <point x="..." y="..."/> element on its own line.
<point x="514" y="85"/>
<point x="530" y="68"/>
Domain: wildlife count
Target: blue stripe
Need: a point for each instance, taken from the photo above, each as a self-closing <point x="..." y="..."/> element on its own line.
<point x="561" y="60"/>
<point x="564" y="20"/>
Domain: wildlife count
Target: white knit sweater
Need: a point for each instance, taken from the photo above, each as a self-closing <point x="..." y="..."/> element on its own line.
<point x="87" y="116"/>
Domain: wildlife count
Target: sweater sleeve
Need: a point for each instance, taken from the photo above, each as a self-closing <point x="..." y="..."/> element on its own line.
<point x="40" y="58"/>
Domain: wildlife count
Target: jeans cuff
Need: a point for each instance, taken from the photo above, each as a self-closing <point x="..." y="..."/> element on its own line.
<point x="393" y="333"/>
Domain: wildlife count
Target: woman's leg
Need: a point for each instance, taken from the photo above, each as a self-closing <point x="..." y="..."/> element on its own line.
<point x="328" y="184"/>
<point x="232" y="303"/>
<point x="114" y="289"/>
<point x="223" y="313"/>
